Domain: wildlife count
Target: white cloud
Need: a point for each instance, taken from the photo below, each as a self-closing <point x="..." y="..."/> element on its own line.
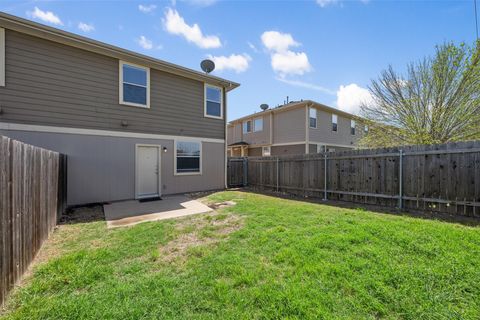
<point x="252" y="46"/>
<point x="290" y="63"/>
<point x="236" y="62"/>
<point x="145" y="43"/>
<point x="147" y="8"/>
<point x="85" y="27"/>
<point x="350" y="97"/>
<point x="46" y="16"/>
<point x="279" y="42"/>
<point x="284" y="61"/>
<point x="306" y="85"/>
<point x="175" y="24"/>
<point x="324" y="3"/>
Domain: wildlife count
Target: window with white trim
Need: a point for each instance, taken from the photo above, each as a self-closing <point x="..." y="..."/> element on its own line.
<point x="247" y="126"/>
<point x="213" y="102"/>
<point x="2" y="57"/>
<point x="352" y="127"/>
<point x="258" y="124"/>
<point x="312" y="113"/>
<point x="134" y="85"/>
<point x="334" y="122"/>
<point x="266" y="151"/>
<point x="188" y="157"/>
<point x="320" y="147"/>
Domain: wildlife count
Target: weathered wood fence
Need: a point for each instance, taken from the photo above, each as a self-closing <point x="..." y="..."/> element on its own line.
<point x="439" y="178"/>
<point x="31" y="196"/>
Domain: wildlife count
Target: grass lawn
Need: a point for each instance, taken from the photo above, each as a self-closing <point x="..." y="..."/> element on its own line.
<point x="262" y="258"/>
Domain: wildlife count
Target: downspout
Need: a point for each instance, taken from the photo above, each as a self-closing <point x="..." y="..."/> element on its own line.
<point x="307" y="130"/>
<point x="226" y="133"/>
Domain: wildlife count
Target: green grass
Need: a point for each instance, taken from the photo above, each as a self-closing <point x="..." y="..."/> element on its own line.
<point x="282" y="259"/>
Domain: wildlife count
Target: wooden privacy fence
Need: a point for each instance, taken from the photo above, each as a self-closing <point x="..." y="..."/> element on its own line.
<point x="31" y="181"/>
<point x="442" y="177"/>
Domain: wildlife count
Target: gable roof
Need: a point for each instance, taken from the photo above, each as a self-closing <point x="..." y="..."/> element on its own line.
<point x="18" y="24"/>
<point x="294" y="105"/>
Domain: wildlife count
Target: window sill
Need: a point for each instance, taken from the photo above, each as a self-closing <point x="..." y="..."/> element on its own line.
<point x="187" y="174"/>
<point x="213" y="117"/>
<point x="131" y="104"/>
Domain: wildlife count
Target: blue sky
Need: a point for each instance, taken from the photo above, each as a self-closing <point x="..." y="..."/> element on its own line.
<point x="325" y="50"/>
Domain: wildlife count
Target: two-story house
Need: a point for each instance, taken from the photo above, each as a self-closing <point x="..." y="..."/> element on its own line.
<point x="131" y="126"/>
<point x="294" y="128"/>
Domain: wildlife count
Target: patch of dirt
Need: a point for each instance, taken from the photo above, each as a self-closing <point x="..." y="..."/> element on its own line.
<point x="220" y="205"/>
<point x="83" y="214"/>
<point x="207" y="229"/>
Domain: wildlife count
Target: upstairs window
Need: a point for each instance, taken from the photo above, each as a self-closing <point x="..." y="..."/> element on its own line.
<point x="352" y="127"/>
<point x="247" y="126"/>
<point x="134" y="85"/>
<point x="188" y="157"/>
<point x="258" y="125"/>
<point x="213" y="102"/>
<point x="312" y="112"/>
<point x="365" y="129"/>
<point x="2" y="57"/>
<point x="334" y="122"/>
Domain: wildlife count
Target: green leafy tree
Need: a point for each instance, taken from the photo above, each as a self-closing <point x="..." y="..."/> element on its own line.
<point x="437" y="101"/>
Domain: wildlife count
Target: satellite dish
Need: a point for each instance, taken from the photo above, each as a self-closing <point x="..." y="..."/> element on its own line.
<point x="207" y="65"/>
<point x="264" y="106"/>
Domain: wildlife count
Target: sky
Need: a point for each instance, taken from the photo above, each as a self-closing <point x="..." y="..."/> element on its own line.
<point x="323" y="50"/>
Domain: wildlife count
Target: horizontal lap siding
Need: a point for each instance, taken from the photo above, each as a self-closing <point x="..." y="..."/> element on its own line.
<point x="324" y="134"/>
<point x="53" y="84"/>
<point x="289" y="126"/>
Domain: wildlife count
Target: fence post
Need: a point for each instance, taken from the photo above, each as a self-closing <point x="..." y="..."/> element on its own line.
<point x="245" y="172"/>
<point x="277" y="174"/>
<point x="325" y="177"/>
<point x="400" y="180"/>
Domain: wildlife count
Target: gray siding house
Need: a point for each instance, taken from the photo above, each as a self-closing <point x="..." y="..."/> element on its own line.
<point x="131" y="126"/>
<point x="299" y="127"/>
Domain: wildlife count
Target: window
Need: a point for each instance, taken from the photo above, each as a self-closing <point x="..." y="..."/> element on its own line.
<point x="320" y="148"/>
<point x="258" y="124"/>
<point x="2" y="57"/>
<point x="352" y="127"/>
<point x="366" y="129"/>
<point x="188" y="157"/>
<point x="134" y="85"/>
<point x="334" y="122"/>
<point x="213" y="102"/>
<point x="266" y="151"/>
<point x="247" y="126"/>
<point x="313" y="117"/>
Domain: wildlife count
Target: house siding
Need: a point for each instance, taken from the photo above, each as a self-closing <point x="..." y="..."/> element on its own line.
<point x="324" y="134"/>
<point x="52" y="84"/>
<point x="288" y="150"/>
<point x="102" y="168"/>
<point x="260" y="137"/>
<point x="289" y="126"/>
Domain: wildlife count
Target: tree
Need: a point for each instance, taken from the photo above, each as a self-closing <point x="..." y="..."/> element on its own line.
<point x="437" y="102"/>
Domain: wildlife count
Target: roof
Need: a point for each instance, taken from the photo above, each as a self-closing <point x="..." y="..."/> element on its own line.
<point x="18" y="24"/>
<point x="241" y="143"/>
<point x="294" y="105"/>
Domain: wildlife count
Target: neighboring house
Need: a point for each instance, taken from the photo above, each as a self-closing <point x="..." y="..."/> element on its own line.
<point x="294" y="128"/>
<point x="131" y="126"/>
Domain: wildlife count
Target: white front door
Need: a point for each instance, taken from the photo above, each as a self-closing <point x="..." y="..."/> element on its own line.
<point x="148" y="171"/>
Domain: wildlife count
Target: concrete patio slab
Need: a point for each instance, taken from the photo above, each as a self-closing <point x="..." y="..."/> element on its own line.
<point x="127" y="213"/>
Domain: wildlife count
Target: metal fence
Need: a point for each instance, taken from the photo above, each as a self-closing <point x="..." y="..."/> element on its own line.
<point x="443" y="177"/>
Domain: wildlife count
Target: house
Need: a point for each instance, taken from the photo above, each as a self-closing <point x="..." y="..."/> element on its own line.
<point x="294" y="128"/>
<point x="131" y="126"/>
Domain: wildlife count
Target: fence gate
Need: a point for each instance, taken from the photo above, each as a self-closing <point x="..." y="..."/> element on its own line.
<point x="237" y="172"/>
